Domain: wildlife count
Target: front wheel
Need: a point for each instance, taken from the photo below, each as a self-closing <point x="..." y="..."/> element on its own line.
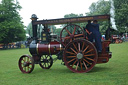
<point x="26" y="64"/>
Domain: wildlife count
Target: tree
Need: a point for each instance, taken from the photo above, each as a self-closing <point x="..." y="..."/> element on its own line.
<point x="57" y="31"/>
<point x="121" y="12"/>
<point x="100" y="8"/>
<point x="52" y="28"/>
<point x="74" y="15"/>
<point x="29" y="30"/>
<point x="11" y="26"/>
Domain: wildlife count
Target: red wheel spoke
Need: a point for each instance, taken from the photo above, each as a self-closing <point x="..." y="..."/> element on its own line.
<point x="81" y="65"/>
<point x="70" y="53"/>
<point x="74" y="30"/>
<point x="86" y="48"/>
<point x="75" y="47"/>
<point x="71" y="60"/>
<point x="70" y="40"/>
<point x="78" y="35"/>
<point x="74" y="63"/>
<point x="71" y="56"/>
<point x="88" y="51"/>
<point x="77" y="65"/>
<point x="89" y="55"/>
<point x="29" y="67"/>
<point x="86" y="61"/>
<point x="67" y="37"/>
<point x="85" y="65"/>
<point x="89" y="59"/>
<point x="68" y="31"/>
<point x="83" y="46"/>
<point x="73" y="50"/>
<point x="23" y="59"/>
<point x="79" y="46"/>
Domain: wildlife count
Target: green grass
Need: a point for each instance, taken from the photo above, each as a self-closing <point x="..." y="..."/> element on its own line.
<point x="115" y="72"/>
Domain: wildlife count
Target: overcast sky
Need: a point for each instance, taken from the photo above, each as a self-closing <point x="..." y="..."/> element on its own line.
<point x="52" y="9"/>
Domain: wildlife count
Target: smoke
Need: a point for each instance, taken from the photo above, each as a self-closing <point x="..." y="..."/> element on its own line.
<point x="112" y="12"/>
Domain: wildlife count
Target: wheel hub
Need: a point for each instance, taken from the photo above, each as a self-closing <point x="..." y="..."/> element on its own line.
<point x="71" y="36"/>
<point x="79" y="56"/>
<point x="45" y="60"/>
<point x="26" y="64"/>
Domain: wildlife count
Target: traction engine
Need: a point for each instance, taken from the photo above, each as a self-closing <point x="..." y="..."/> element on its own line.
<point x="77" y="53"/>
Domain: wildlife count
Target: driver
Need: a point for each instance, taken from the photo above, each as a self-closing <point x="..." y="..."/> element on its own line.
<point x="93" y="34"/>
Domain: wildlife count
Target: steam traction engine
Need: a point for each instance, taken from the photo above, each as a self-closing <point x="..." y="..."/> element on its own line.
<point x="77" y="53"/>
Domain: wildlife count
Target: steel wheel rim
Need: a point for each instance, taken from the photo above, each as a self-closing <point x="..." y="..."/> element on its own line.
<point x="46" y="61"/>
<point x="71" y="34"/>
<point x="80" y="56"/>
<point x="26" y="64"/>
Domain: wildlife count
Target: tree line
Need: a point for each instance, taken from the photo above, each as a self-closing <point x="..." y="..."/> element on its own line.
<point x="11" y="26"/>
<point x="102" y="7"/>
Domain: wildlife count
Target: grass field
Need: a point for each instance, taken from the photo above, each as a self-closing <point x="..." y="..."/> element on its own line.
<point x="115" y="72"/>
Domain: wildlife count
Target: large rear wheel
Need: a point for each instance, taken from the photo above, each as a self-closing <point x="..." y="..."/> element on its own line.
<point x="80" y="56"/>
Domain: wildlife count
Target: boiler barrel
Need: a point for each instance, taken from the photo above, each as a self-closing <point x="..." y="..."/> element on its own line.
<point x="45" y="49"/>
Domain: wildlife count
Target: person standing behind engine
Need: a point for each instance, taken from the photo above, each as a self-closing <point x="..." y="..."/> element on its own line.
<point x="89" y="30"/>
<point x="97" y="35"/>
